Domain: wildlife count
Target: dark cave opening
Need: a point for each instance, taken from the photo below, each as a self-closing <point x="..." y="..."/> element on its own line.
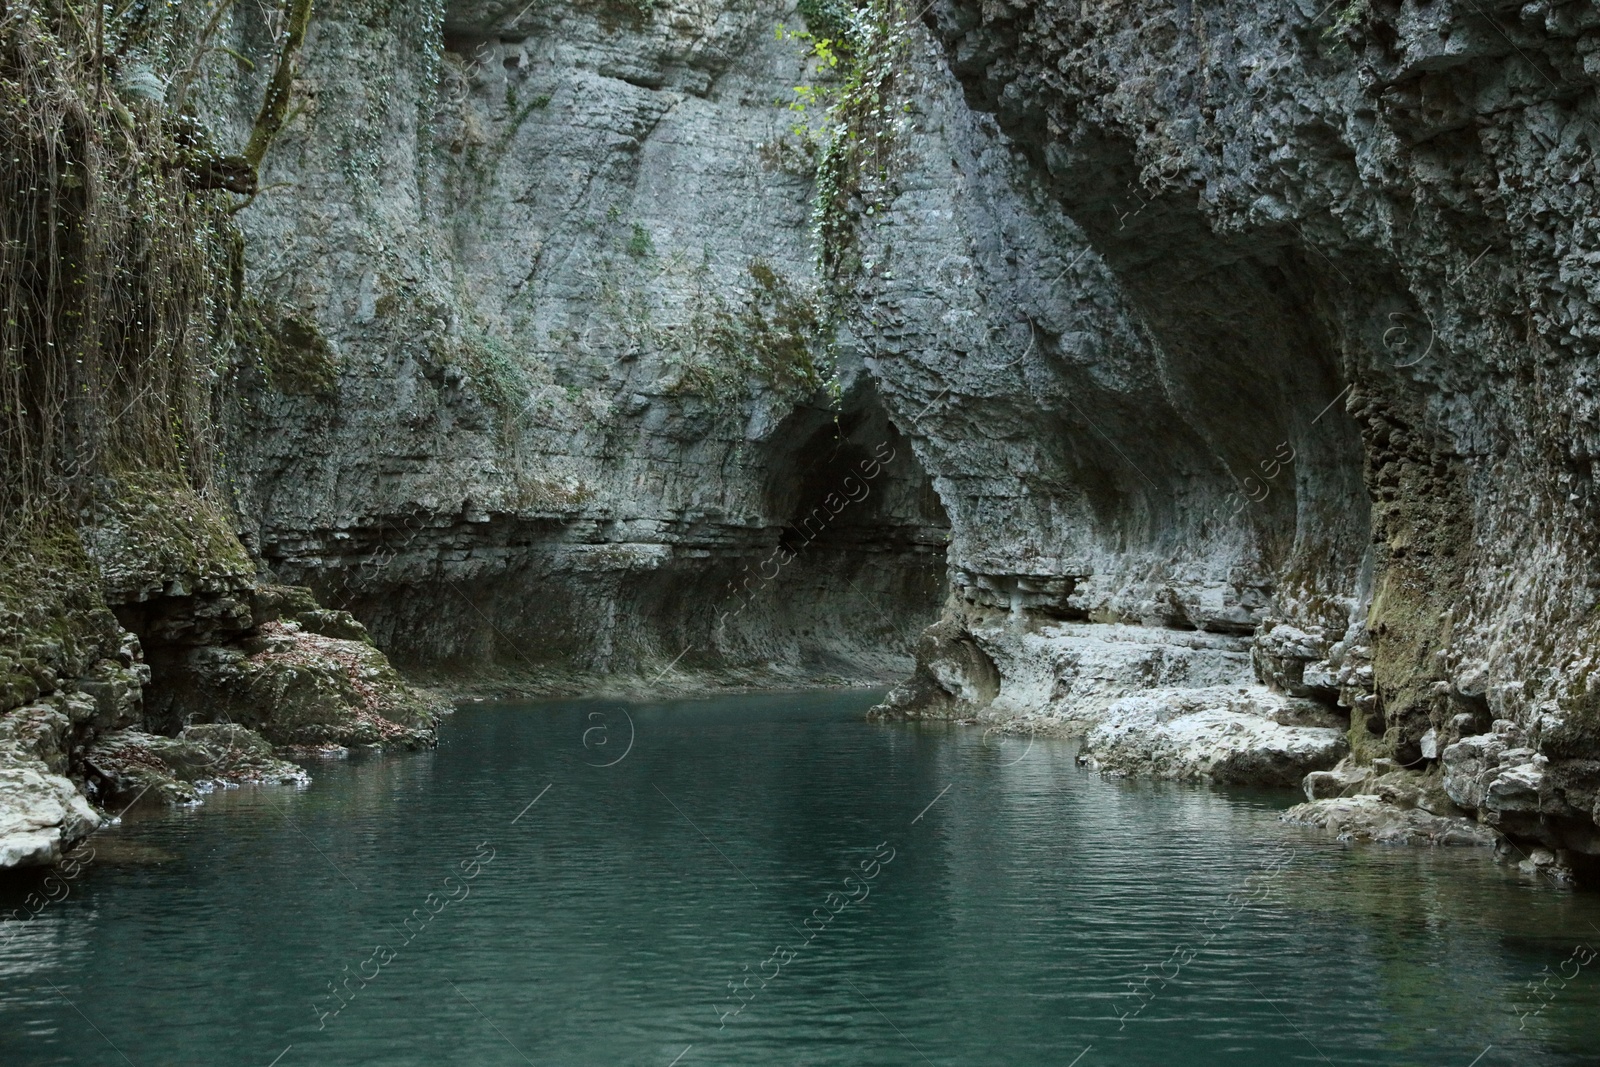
<point x="852" y="568"/>
<point x="172" y="630"/>
<point x="833" y="578"/>
<point x="855" y="483"/>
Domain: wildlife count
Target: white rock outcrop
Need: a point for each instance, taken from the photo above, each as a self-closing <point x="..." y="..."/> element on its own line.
<point x="1225" y="735"/>
<point x="41" y="814"/>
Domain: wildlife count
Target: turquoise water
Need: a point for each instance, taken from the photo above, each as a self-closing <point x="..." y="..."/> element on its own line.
<point x="991" y="904"/>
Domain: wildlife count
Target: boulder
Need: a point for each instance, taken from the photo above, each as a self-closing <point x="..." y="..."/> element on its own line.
<point x="1225" y="735"/>
<point x="41" y="814"/>
<point x="127" y="764"/>
<point x="1368" y="817"/>
<point x="1343" y="780"/>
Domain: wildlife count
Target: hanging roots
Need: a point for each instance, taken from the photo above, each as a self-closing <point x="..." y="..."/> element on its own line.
<point x="118" y="264"/>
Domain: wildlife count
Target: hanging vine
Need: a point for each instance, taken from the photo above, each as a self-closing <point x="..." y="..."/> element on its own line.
<point x="118" y="261"/>
<point x="863" y="121"/>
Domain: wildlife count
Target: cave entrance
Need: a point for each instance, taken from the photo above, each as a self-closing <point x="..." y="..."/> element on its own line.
<point x="854" y="568"/>
<point x="832" y="569"/>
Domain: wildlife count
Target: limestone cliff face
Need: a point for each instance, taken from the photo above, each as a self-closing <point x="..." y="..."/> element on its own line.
<point x="1213" y="382"/>
<point x="142" y="649"/>
<point x="1310" y="365"/>
<point x="1245" y="354"/>
<point x="581" y="423"/>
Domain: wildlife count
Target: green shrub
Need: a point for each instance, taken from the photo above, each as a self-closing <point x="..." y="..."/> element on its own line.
<point x="828" y="19"/>
<point x="639" y="244"/>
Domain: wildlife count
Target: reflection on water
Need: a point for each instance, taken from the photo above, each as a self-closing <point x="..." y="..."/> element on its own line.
<point x="740" y="854"/>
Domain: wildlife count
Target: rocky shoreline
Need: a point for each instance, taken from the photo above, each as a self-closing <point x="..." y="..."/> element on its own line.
<point x="1213" y="383"/>
<point x="282" y="677"/>
<point x="1194" y="707"/>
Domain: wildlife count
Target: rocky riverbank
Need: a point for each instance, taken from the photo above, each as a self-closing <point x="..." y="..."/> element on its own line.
<point x="227" y="681"/>
<point x="1212" y="383"/>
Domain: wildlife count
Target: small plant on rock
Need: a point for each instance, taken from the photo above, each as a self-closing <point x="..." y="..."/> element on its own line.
<point x="640" y="246"/>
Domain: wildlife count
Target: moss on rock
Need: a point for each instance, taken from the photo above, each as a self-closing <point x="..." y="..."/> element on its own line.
<point x="129" y="764"/>
<point x="53" y="619"/>
<point x="1422" y="535"/>
<point x="293" y="355"/>
<point x="306" y="689"/>
<point x="774" y="336"/>
<point x="154" y="533"/>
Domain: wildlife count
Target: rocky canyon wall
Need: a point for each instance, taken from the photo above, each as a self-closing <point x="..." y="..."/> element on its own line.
<point x="143" y="650"/>
<point x="1210" y="381"/>
<point x="580" y="418"/>
<point x="1308" y="370"/>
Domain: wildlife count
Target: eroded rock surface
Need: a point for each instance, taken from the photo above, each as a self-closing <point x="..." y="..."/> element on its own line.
<point x="143" y="655"/>
<point x="580" y="422"/>
<point x="1384" y="802"/>
<point x="1273" y="327"/>
<point x="1236" y="349"/>
<point x="41" y="814"/>
<point x="125" y="765"/>
<point x="1214" y="382"/>
<point x="1369" y="818"/>
<point x="1251" y="736"/>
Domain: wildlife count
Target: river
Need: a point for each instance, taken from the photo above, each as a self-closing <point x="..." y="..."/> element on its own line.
<point x="770" y="880"/>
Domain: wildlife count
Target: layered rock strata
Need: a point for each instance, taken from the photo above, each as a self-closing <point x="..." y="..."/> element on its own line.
<point x="582" y="426"/>
<point x="1276" y="325"/>
<point x="1214" y="380"/>
<point x="1220" y="341"/>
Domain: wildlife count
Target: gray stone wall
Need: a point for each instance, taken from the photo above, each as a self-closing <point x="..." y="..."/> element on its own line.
<point x="567" y="295"/>
<point x="1241" y="357"/>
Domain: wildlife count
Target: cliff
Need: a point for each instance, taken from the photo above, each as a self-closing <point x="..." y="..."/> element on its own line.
<point x="1212" y="383"/>
<point x="559" y="256"/>
<point x="1315" y="352"/>
<point x="142" y="647"/>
